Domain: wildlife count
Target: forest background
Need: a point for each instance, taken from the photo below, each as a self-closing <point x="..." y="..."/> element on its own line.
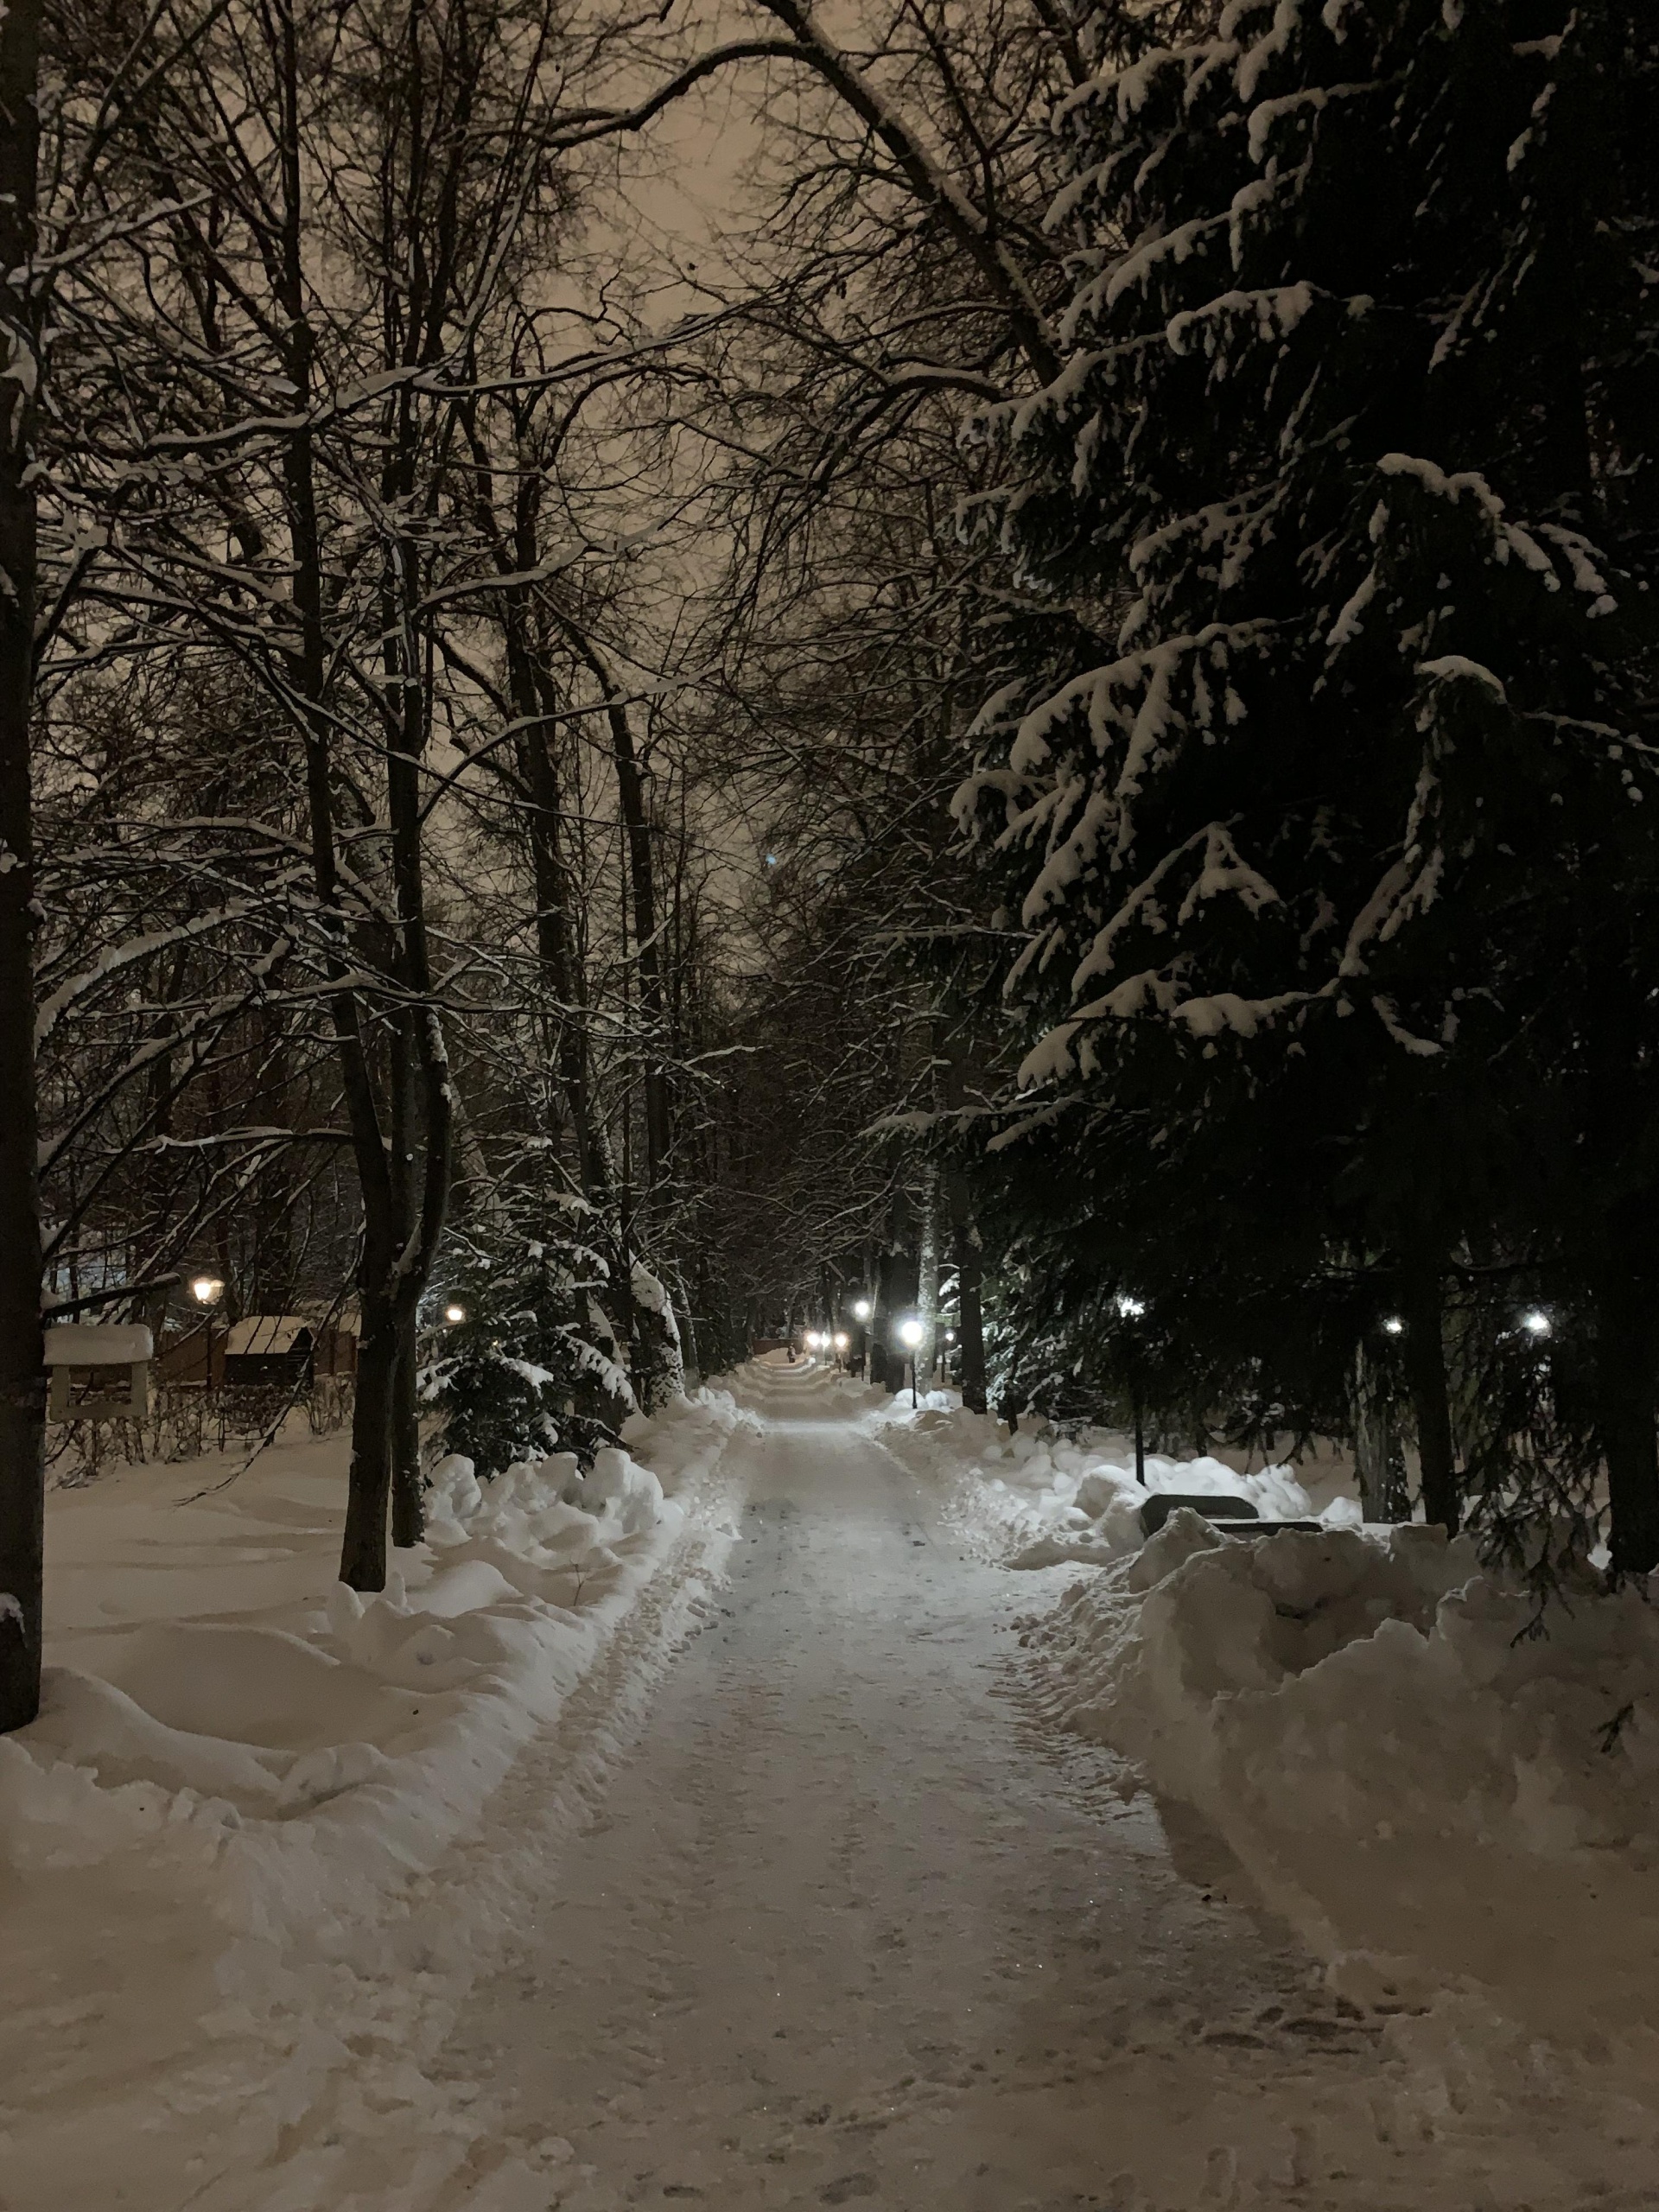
<point x="585" y="750"/>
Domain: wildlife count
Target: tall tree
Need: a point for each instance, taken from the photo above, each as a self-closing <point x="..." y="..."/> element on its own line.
<point x="1331" y="856"/>
<point x="22" y="1382"/>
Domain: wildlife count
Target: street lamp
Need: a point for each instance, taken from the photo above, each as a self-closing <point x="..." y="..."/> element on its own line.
<point x="911" y="1333"/>
<point x="453" y="1313"/>
<point x="841" y="1342"/>
<point x="206" y="1290"/>
<point x="1132" y="1309"/>
<point x="862" y="1310"/>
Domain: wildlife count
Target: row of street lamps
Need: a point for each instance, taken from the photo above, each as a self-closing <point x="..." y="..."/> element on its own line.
<point x="911" y="1333"/>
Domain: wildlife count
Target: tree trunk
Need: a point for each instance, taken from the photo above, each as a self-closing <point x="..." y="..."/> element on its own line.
<point x="658" y="1360"/>
<point x="555" y="939"/>
<point x="22" y="1379"/>
<point x="363" y="1554"/>
<point x="881" y="1321"/>
<point x="1425" y="1363"/>
<point x="927" y="1281"/>
<point x="1377" y="1460"/>
<point x="408" y="1514"/>
<point x="363" y="1550"/>
<point x="1627" y="1350"/>
<point x="642" y="879"/>
<point x="969" y="1260"/>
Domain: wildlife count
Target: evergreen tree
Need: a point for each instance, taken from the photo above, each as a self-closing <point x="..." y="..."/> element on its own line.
<point x="519" y="1373"/>
<point x="1336" y="860"/>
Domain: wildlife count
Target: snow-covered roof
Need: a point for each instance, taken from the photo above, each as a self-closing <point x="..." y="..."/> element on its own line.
<point x="267" y="1332"/>
<point x="89" y="1344"/>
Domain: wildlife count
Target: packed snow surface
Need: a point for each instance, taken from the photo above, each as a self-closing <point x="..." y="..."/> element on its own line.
<point x="239" y="1762"/>
<point x="791" y="1892"/>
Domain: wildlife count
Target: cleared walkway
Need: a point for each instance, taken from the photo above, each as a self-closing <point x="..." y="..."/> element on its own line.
<point x="851" y="1928"/>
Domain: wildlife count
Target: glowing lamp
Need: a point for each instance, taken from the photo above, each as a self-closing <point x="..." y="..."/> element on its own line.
<point x="206" y="1290"/>
<point x="452" y="1312"/>
<point x="862" y="1310"/>
<point x="1394" y="1325"/>
<point x="910" y="1334"/>
<point x="842" y="1340"/>
<point x="1535" y="1323"/>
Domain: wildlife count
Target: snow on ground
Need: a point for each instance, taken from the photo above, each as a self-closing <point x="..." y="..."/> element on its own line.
<point x="854" y="1924"/>
<point x="1435" y="1786"/>
<point x="551" y="1880"/>
<point x="240" y="1764"/>
<point x="1037" y="1499"/>
<point x="1439" y="1790"/>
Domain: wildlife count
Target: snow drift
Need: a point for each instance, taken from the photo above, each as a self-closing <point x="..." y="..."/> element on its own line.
<point x="1432" y="1784"/>
<point x="248" y="1783"/>
<point x="282" y="1770"/>
<point x="1039" y="1499"/>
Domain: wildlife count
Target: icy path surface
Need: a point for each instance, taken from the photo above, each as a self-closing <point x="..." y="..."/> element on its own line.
<point x="849" y="1927"/>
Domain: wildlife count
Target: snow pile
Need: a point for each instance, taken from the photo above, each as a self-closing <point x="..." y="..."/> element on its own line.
<point x="284" y="1762"/>
<point x="1039" y="1499"/>
<point x="1429" y="1789"/>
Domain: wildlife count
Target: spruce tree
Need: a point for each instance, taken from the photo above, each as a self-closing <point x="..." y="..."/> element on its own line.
<point x="1336" y="859"/>
<point x="518" y="1374"/>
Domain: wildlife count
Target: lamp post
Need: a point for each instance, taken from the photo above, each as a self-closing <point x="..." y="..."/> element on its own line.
<point x="1131" y="1309"/>
<point x="911" y="1333"/>
<point x="862" y="1315"/>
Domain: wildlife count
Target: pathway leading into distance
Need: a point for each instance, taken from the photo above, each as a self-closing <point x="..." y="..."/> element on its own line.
<point x="848" y="1927"/>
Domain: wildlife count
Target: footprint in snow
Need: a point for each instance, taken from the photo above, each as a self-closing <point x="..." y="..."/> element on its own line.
<point x="850" y="2185"/>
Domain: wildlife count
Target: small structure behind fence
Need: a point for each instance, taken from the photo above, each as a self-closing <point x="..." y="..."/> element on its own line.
<point x="196" y="1391"/>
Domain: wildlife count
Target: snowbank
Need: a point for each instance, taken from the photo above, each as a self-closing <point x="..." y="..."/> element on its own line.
<point x="1432" y="1793"/>
<point x="239" y="1759"/>
<point x="1038" y="1500"/>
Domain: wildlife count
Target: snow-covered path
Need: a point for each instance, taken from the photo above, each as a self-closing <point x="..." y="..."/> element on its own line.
<point x="851" y="1927"/>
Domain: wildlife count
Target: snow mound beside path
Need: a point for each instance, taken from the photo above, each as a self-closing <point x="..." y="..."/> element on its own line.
<point x="280" y="1766"/>
<point x="1041" y="1500"/>
<point x="1435" y="1789"/>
